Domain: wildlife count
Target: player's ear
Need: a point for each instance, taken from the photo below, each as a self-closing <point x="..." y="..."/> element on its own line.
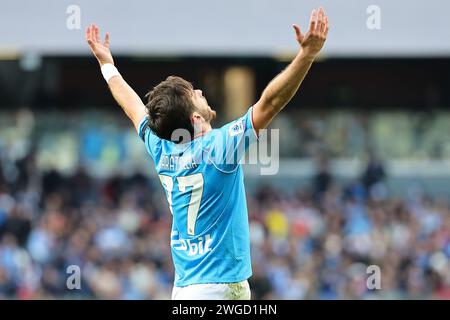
<point x="196" y="118"/>
<point x="197" y="122"/>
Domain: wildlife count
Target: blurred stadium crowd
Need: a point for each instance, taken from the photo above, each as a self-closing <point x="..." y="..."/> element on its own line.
<point x="311" y="243"/>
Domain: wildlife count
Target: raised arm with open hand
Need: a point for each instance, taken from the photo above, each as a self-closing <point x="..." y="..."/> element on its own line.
<point x="124" y="95"/>
<point x="283" y="87"/>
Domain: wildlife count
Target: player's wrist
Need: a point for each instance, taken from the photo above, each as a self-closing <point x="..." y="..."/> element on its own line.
<point x="101" y="63"/>
<point x="307" y="54"/>
<point x="109" y="71"/>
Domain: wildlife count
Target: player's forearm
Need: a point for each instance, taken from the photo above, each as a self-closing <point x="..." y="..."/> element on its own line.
<point x="127" y="98"/>
<point x="284" y="86"/>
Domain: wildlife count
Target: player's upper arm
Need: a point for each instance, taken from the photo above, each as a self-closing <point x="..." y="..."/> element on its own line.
<point x="128" y="99"/>
<point x="263" y="114"/>
<point x="137" y="115"/>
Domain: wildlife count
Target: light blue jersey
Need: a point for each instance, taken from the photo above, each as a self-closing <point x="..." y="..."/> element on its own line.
<point x="204" y="185"/>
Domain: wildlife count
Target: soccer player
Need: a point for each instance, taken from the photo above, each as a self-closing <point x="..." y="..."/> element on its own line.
<point x="199" y="167"/>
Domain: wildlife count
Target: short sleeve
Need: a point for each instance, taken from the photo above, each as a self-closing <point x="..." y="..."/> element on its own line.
<point x="152" y="142"/>
<point x="232" y="140"/>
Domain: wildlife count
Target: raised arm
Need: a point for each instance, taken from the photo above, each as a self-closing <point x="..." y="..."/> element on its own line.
<point x="124" y="95"/>
<point x="283" y="87"/>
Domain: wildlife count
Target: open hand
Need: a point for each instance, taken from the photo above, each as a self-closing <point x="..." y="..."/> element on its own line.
<point x="313" y="40"/>
<point x="100" y="50"/>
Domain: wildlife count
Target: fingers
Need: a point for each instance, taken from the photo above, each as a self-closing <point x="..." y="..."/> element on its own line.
<point x="326" y="27"/>
<point x="107" y="40"/>
<point x="318" y="23"/>
<point x="89" y="36"/>
<point x="320" y="20"/>
<point x="323" y="30"/>
<point x="313" y="21"/>
<point x="96" y="33"/>
<point x="298" y="32"/>
<point x="93" y="36"/>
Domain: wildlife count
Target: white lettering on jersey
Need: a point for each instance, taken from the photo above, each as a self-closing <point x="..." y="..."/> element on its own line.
<point x="196" y="246"/>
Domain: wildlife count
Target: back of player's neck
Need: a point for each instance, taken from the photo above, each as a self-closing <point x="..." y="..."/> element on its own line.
<point x="205" y="129"/>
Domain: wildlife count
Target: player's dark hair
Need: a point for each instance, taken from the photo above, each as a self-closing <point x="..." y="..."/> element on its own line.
<point x="170" y="107"/>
